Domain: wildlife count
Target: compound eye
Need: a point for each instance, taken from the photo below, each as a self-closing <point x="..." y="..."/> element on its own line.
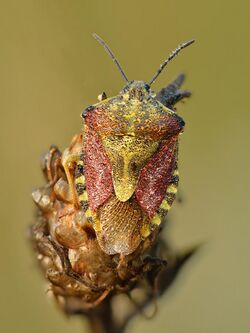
<point x="87" y="110"/>
<point x="147" y="87"/>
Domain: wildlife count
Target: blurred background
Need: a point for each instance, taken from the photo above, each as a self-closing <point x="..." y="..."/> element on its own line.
<point x="51" y="68"/>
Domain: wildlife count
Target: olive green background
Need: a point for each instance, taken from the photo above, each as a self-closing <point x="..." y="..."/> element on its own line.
<point x="51" y="68"/>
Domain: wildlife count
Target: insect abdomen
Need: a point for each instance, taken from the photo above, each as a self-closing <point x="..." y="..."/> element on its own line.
<point x="80" y="184"/>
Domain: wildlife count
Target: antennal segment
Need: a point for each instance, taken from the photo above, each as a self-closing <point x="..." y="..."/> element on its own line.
<point x="170" y="57"/>
<point x="108" y="50"/>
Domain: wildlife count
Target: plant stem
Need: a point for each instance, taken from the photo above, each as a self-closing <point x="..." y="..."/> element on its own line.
<point x="101" y="319"/>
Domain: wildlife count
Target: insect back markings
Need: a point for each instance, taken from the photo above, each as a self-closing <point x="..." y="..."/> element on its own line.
<point x="80" y="184"/>
<point x="139" y="140"/>
<point x="128" y="179"/>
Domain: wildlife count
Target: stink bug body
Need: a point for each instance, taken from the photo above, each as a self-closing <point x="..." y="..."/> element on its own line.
<point x="122" y="170"/>
<point x="105" y="196"/>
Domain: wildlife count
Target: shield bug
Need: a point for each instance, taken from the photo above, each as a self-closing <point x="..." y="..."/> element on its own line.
<point x="105" y="196"/>
<point x="122" y="171"/>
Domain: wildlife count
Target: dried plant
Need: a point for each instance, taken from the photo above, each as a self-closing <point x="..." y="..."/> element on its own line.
<point x="83" y="279"/>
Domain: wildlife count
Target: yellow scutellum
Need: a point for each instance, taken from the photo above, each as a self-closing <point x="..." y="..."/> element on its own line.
<point x="127" y="155"/>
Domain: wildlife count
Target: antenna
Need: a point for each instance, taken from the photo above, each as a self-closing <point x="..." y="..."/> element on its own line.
<point x="170" y="57"/>
<point x="107" y="49"/>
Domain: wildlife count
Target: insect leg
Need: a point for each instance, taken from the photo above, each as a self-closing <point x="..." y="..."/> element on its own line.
<point x="70" y="157"/>
<point x="69" y="161"/>
<point x="171" y="94"/>
<point x="51" y="164"/>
